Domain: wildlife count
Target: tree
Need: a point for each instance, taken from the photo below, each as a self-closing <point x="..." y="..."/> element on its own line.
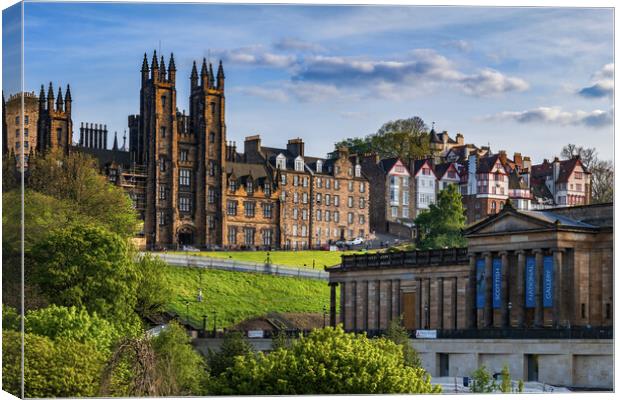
<point x="75" y="177"/>
<point x="397" y="333"/>
<point x="58" y="367"/>
<point x="602" y="178"/>
<point x="482" y="381"/>
<point x="441" y="225"/>
<point x="164" y="365"/>
<point x="75" y="324"/>
<point x="87" y="266"/>
<point x="506" y="383"/>
<point x="404" y="138"/>
<point x="328" y="361"/>
<point x="602" y="182"/>
<point x="233" y="345"/>
<point x="154" y="287"/>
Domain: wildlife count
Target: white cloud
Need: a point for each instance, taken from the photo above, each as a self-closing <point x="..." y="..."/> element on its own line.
<point x="257" y="56"/>
<point x="273" y="94"/>
<point x="602" y="83"/>
<point x="423" y="66"/>
<point x="556" y="116"/>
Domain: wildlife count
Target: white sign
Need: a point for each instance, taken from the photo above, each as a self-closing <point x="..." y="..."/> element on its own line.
<point x="256" y="334"/>
<point x="426" y="334"/>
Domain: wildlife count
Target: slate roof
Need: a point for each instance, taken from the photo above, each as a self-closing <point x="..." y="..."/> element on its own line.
<point x="566" y="169"/>
<point x="441" y="169"/>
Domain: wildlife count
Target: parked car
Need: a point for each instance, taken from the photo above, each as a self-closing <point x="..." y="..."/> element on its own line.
<point x="189" y="248"/>
<point x="354" y="242"/>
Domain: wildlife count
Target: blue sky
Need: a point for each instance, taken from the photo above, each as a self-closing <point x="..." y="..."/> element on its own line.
<point x="521" y="79"/>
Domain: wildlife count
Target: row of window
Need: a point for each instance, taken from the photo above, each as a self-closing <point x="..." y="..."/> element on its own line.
<point x="395" y="212"/>
<point x="26" y="120"/>
<point x="249" y="187"/>
<point x="249" y="208"/>
<point x="249" y="235"/>
<point x="304" y="181"/>
<point x="25" y="133"/>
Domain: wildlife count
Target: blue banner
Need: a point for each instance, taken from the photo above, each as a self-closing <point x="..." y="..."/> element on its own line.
<point x="530" y="282"/>
<point x="548" y="281"/>
<point x="481" y="286"/>
<point x="497" y="283"/>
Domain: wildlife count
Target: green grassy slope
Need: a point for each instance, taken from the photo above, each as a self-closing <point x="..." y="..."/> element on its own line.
<point x="239" y="295"/>
<point x="289" y="258"/>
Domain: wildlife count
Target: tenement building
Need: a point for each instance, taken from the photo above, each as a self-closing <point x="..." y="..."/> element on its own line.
<point x="201" y="192"/>
<point x="544" y="274"/>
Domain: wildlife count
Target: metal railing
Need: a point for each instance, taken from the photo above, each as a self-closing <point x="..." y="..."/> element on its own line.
<point x="515" y="333"/>
<point x="457" y="255"/>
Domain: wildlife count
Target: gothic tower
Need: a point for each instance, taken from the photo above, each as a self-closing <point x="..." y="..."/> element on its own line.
<point x="207" y="122"/>
<point x="158" y="128"/>
<point x="55" y="127"/>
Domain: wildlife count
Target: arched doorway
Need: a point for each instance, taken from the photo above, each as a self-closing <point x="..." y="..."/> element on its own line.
<point x="185" y="236"/>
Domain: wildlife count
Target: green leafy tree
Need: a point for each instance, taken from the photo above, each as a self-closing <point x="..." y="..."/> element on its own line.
<point x="328" y="361"/>
<point x="87" y="266"/>
<point x="397" y="333"/>
<point x="482" y="381"/>
<point x="506" y="383"/>
<point x="441" y="226"/>
<point x="164" y="365"/>
<point x="76" y="177"/>
<point x="52" y="368"/>
<point x="75" y="324"/>
<point x="11" y="178"/>
<point x="233" y="345"/>
<point x="154" y="286"/>
<point x="404" y="138"/>
<point x="183" y="371"/>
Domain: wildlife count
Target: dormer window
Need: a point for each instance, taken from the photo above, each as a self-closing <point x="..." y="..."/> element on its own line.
<point x="267" y="189"/>
<point x="233" y="185"/>
<point x="299" y="164"/>
<point x="319" y="166"/>
<point x="358" y="171"/>
<point x="249" y="187"/>
<point x="281" y="162"/>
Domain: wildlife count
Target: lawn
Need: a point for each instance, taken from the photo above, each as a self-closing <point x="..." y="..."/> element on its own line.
<point x="302" y="259"/>
<point x="240" y="295"/>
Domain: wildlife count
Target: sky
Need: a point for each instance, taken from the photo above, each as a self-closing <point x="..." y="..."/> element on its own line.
<point x="526" y="80"/>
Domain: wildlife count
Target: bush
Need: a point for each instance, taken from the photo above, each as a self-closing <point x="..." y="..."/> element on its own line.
<point x="328" y="361"/>
<point x="233" y="345"/>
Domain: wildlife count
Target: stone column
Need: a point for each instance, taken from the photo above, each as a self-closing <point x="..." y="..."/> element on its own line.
<point x="505" y="288"/>
<point x="467" y="297"/>
<point x="453" y="305"/>
<point x="538" y="314"/>
<point x="488" y="280"/>
<point x="372" y="305"/>
<point x="332" y="303"/>
<point x="518" y="304"/>
<point x="559" y="315"/>
<point x="440" y="303"/>
<point x="420" y="307"/>
<point x="385" y="304"/>
<point x="352" y="315"/>
<point x="395" y="298"/>
<point x="362" y="306"/>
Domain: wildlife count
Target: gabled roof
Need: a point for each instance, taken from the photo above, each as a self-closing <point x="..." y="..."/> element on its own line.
<point x="486" y="164"/>
<point x="442" y="169"/>
<point x="516" y="181"/>
<point x="418" y="164"/>
<point x="546" y="219"/>
<point x="566" y="169"/>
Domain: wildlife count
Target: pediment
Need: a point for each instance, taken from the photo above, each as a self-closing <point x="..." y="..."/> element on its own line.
<point x="509" y="222"/>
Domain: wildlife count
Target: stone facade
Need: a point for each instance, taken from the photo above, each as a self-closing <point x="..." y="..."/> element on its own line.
<point x="521" y="269"/>
<point x="201" y="192"/>
<point x="21" y="128"/>
<point x="55" y="126"/>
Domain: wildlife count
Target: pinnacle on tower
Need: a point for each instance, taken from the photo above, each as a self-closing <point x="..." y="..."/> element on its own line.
<point x="42" y="95"/>
<point x="220" y="76"/>
<point x="50" y="98"/>
<point x="194" y="76"/>
<point x="162" y="72"/>
<point x="115" y="145"/>
<point x="171" y="66"/>
<point x="154" y="67"/>
<point x="145" y="64"/>
<point x="59" y="101"/>
<point x="68" y="94"/>
<point x="211" y="78"/>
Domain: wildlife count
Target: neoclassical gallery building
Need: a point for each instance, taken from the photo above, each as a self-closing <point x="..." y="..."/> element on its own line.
<point x="533" y="289"/>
